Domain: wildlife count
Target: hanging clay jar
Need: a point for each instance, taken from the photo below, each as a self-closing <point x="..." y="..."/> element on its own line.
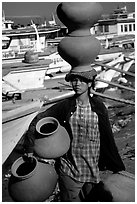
<point x="52" y="139"/>
<point x="121" y="186"/>
<point x="79" y="48"/>
<point x="31" y="181"/>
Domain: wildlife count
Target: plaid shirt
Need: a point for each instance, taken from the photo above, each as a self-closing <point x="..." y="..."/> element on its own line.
<point x="85" y="146"/>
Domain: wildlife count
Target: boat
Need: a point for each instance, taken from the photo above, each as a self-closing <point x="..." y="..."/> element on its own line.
<point x="42" y="73"/>
<point x="35" y="74"/>
<point x="15" y="42"/>
<point x="109" y="54"/>
<point x="50" y="66"/>
<point x="122" y="63"/>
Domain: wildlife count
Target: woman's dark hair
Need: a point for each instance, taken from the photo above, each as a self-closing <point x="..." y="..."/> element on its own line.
<point x="93" y="83"/>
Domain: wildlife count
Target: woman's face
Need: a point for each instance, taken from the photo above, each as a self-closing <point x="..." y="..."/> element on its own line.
<point x="80" y="85"/>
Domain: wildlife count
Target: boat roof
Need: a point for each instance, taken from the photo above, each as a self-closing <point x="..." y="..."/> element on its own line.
<point x="18" y="66"/>
<point x="30" y="30"/>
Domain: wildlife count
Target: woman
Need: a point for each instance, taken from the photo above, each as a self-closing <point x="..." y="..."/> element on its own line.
<point x="92" y="146"/>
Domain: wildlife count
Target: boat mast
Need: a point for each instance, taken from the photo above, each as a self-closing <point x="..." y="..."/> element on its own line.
<point x="37" y="34"/>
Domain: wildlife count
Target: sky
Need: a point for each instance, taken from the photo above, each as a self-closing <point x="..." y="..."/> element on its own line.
<point x="45" y="9"/>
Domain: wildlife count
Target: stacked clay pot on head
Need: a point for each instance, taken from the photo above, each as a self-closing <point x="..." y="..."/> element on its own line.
<point x="79" y="48"/>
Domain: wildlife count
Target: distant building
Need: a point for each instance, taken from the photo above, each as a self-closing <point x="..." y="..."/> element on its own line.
<point x="119" y="23"/>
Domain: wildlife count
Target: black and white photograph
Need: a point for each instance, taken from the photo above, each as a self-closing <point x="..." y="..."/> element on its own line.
<point x="68" y="101"/>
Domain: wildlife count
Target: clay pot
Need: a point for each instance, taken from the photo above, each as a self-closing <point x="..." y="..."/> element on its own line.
<point x="79" y="48"/>
<point x="52" y="139"/>
<point x="79" y="17"/>
<point x="31" y="181"/>
<point x="79" y="52"/>
<point x="31" y="57"/>
<point x="121" y="186"/>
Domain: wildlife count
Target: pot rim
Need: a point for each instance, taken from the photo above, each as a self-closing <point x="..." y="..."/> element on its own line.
<point x="50" y="119"/>
<point x="17" y="163"/>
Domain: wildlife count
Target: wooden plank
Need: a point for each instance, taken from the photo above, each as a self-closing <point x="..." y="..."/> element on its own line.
<point x="12" y="132"/>
<point x="16" y="122"/>
<point x="14" y="125"/>
<point x="116" y="69"/>
<point x="113" y="98"/>
<point x="115" y="84"/>
<point x="21" y="111"/>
